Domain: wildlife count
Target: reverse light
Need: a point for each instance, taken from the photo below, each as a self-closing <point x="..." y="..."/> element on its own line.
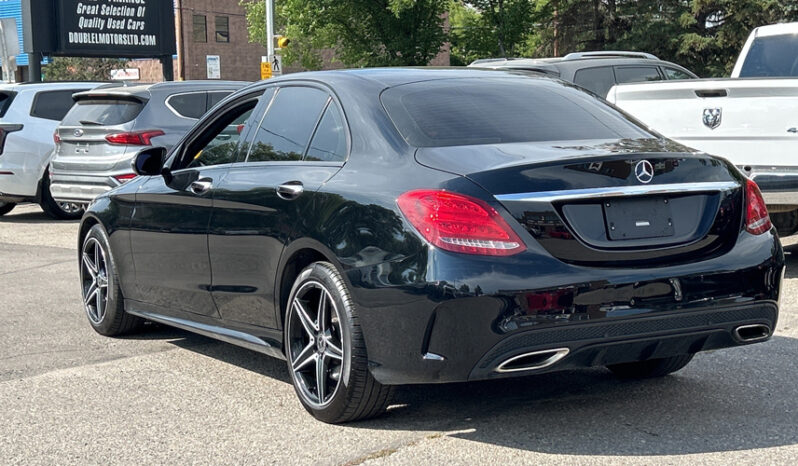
<point x="459" y="223"/>
<point x="134" y="138"/>
<point x="757" y="220"/>
<point x="125" y="177"/>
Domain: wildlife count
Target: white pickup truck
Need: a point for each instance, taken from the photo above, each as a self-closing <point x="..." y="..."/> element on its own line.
<point x="750" y="119"/>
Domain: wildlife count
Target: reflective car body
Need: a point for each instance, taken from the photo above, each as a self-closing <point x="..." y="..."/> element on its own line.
<point x="215" y="248"/>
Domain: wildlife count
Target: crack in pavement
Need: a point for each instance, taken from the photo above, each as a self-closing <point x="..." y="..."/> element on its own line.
<point x="36" y="267"/>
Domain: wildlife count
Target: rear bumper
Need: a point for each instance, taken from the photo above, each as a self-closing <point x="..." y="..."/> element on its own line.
<point x="79" y="188"/>
<point x="469" y="316"/>
<point x="779" y="185"/>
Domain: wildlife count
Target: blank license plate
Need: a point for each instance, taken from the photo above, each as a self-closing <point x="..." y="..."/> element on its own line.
<point x="638" y="218"/>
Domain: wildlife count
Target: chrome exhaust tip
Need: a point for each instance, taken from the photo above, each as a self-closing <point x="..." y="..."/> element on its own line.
<point x="752" y="333"/>
<point x="532" y="361"/>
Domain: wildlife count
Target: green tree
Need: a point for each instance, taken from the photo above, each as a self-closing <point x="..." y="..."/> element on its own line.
<point x="81" y="69"/>
<point x="359" y="32"/>
<point x="489" y="28"/>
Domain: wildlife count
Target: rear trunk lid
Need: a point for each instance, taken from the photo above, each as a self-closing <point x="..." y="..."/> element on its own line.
<point x="607" y="203"/>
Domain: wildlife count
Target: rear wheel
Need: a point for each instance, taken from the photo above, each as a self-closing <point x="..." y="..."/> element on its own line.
<point x="55" y="209"/>
<point x="326" y="351"/>
<point x="650" y="368"/>
<point x="6" y="207"/>
<point x="102" y="298"/>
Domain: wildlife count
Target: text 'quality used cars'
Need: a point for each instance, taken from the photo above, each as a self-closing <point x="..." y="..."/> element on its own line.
<point x="393" y="226"/>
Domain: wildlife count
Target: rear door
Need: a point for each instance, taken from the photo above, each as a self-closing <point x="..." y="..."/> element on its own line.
<point x="300" y="142"/>
<point x="169" y="227"/>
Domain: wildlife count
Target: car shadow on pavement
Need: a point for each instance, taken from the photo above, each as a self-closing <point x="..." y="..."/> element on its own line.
<point x="734" y="399"/>
<point x="791" y="259"/>
<point x="32" y="217"/>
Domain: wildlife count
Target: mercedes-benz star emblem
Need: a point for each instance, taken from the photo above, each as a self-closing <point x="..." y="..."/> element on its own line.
<point x="78" y="133"/>
<point x="644" y="171"/>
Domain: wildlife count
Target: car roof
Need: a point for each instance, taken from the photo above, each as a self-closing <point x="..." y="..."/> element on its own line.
<point x="144" y="91"/>
<point x="389" y="77"/>
<point x="49" y="85"/>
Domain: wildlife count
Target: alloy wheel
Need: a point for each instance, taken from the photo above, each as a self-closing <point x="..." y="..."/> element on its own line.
<point x="70" y="207"/>
<point x="94" y="277"/>
<point x="315" y="344"/>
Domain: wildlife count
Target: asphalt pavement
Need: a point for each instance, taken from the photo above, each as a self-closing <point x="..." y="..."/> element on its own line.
<point x="165" y="396"/>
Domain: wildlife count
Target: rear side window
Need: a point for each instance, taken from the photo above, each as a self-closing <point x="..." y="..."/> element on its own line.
<point x="452" y="112"/>
<point x="53" y="105"/>
<point x="191" y="105"/>
<point x="216" y="97"/>
<point x="772" y="56"/>
<point x="5" y="101"/>
<point x="329" y="141"/>
<point x="636" y="74"/>
<point x="102" y="112"/>
<point x="285" y="130"/>
<point x="597" y="80"/>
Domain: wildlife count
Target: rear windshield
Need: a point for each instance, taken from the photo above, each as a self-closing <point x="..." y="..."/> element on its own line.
<point x="102" y="112"/>
<point x="470" y="111"/>
<point x="5" y="101"/>
<point x="774" y="56"/>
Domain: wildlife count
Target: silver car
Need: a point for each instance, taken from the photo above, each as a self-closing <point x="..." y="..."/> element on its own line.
<point x="107" y="126"/>
<point x="29" y="113"/>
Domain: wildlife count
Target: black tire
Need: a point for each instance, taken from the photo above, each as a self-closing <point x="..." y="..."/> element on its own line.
<point x="650" y="368"/>
<point x="58" y="210"/>
<point x="356" y="394"/>
<point x="6" y="207"/>
<point x="100" y="287"/>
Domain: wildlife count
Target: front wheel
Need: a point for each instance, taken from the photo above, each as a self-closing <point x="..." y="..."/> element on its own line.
<point x="6" y="207"/>
<point x="326" y="351"/>
<point x="102" y="297"/>
<point x="650" y="368"/>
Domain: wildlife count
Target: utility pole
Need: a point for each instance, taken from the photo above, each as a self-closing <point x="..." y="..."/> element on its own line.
<point x="269" y="28"/>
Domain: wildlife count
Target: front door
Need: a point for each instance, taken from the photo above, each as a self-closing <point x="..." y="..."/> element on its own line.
<point x="169" y="228"/>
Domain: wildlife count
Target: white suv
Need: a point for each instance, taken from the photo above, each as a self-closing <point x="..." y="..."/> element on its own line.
<point x="29" y="114"/>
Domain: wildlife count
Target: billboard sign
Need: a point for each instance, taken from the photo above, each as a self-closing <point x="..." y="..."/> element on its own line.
<point x="99" y="28"/>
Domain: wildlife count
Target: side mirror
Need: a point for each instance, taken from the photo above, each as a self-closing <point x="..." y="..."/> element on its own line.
<point x="149" y="162"/>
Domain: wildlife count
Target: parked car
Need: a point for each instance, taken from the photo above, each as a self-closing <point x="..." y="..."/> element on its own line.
<point x="97" y="139"/>
<point x="29" y="113"/>
<point x="750" y="118"/>
<point x="378" y="227"/>
<point x="596" y="71"/>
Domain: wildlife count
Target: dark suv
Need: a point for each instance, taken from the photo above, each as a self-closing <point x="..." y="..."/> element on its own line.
<point x="595" y="71"/>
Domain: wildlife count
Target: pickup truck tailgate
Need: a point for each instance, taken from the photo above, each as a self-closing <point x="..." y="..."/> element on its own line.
<point x="751" y="122"/>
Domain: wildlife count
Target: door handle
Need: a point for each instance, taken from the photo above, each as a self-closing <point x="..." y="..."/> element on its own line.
<point x="201" y="186"/>
<point x="792" y="130"/>
<point x="290" y="190"/>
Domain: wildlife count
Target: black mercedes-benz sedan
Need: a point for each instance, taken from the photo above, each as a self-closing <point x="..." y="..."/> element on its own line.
<point x="379" y="227"/>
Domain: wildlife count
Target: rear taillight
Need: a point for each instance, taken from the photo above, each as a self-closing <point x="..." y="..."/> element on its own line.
<point x="56" y="138"/>
<point x="125" y="178"/>
<point x="757" y="220"/>
<point x="134" y="138"/>
<point x="459" y="223"/>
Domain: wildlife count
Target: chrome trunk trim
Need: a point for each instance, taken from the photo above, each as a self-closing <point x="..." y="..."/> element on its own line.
<point x="619" y="191"/>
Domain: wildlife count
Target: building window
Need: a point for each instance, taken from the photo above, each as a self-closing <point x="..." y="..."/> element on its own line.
<point x="222" y="29"/>
<point x="200" y="29"/>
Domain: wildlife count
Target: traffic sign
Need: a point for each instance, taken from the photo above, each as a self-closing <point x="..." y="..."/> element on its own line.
<point x="265" y="68"/>
<point x="277" y="64"/>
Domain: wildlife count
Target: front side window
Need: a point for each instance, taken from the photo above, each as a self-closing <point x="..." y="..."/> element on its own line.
<point x="636" y="74"/>
<point x="597" y="80"/>
<point x="218" y="144"/>
<point x="285" y="130"/>
<point x="200" y="30"/>
<point x="222" y="29"/>
<point x="673" y="73"/>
